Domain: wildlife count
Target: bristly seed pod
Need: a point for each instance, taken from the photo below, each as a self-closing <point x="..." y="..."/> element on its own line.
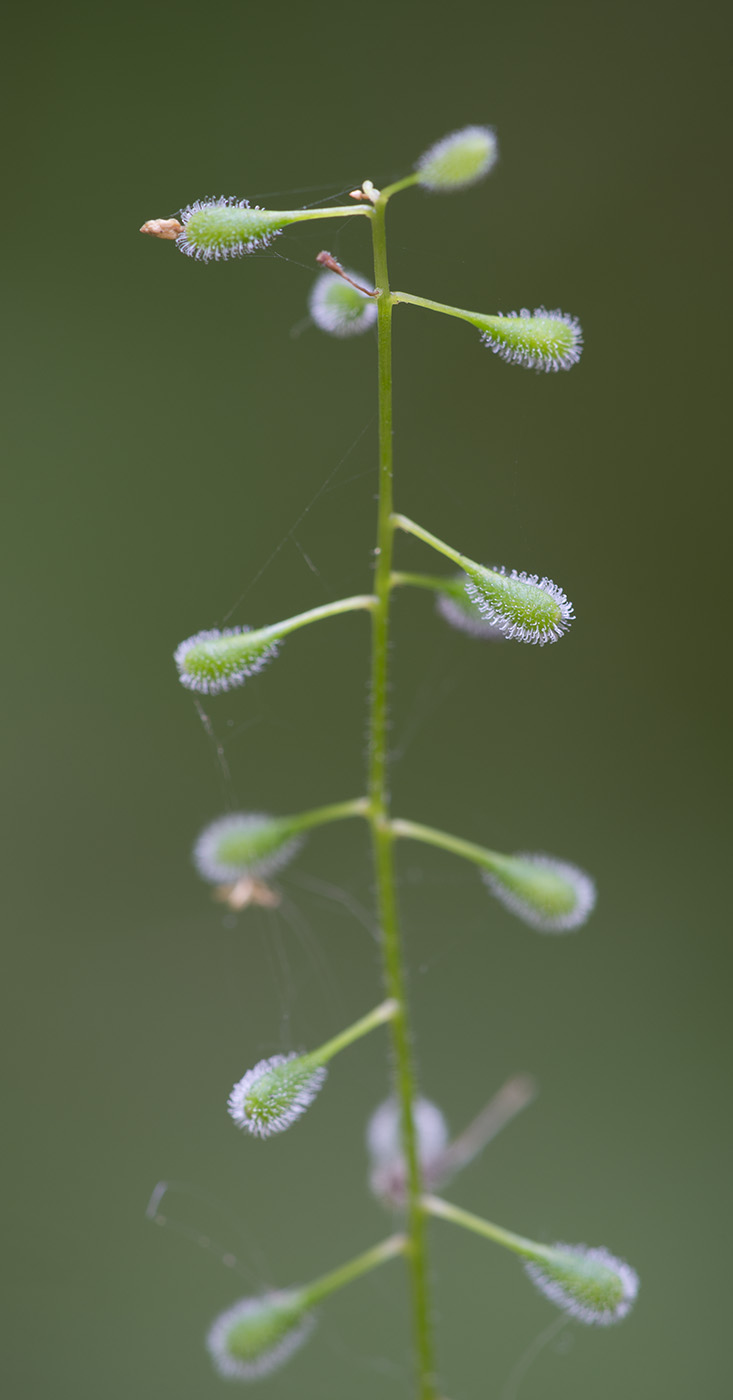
<point x="273" y="1095"/>
<point x="339" y="308"/>
<point x="244" y="844"/>
<point x="542" y="340"/>
<point x="216" y="660"/>
<point x="227" y="228"/>
<point x="257" y="1335"/>
<point x="550" y="895"/>
<point x="461" y="612"/>
<point x="459" y="160"/>
<point x="523" y="606"/>
<point x="589" y="1284"/>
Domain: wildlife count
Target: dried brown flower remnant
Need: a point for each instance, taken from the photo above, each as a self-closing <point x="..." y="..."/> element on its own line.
<point x="163" y="228"/>
<point x="247" y="891"/>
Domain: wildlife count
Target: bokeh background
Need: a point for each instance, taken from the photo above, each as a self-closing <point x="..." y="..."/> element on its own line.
<point x="184" y="450"/>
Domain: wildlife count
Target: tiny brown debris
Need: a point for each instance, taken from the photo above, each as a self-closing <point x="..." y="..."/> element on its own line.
<point x="162" y="228"/>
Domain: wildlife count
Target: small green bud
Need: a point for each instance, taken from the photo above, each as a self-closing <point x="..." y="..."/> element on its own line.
<point x="458" y="160"/>
<point x="338" y="307"/>
<point x="228" y="228"/>
<point x="542" y="340"/>
<point x="523" y="606"/>
<point x="273" y="1095"/>
<point x="216" y="660"/>
<point x="589" y="1284"/>
<point x="257" y="1335"/>
<point x="456" y="608"/>
<point x="550" y="895"/>
<point x="245" y="844"/>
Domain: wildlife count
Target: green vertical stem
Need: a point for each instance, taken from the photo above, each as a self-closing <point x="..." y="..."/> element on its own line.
<point x="383" y="841"/>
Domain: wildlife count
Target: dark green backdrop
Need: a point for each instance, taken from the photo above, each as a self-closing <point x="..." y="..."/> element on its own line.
<point x="167" y="431"/>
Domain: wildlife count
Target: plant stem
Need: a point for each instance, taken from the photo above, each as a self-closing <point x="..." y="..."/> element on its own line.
<point x="384" y="1012"/>
<point x="392" y="954"/>
<point x="328" y="1283"/>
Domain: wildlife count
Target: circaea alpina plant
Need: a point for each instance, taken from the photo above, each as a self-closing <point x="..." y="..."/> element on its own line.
<point x="410" y="1153"/>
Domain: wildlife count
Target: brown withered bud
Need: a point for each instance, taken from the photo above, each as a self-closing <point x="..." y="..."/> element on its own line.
<point x="163" y="228"/>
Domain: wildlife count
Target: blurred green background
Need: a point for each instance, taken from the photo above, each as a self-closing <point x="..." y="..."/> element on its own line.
<point x="172" y="426"/>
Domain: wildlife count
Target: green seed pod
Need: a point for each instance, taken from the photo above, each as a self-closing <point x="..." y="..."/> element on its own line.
<point x="245" y="843"/>
<point x="458" y="160"/>
<point x="542" y="340"/>
<point x="523" y="606"/>
<point x="589" y="1284"/>
<point x="339" y="308"/>
<point x="257" y="1335"/>
<point x="273" y="1095"/>
<point x="216" y="660"/>
<point x="550" y="895"/>
<point x="227" y="228"/>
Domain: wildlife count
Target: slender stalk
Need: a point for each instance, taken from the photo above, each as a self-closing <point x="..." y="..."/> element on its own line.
<point x="371" y="1259"/>
<point x="476" y="318"/>
<point x="334" y="812"/>
<point x="384" y="1012"/>
<point x="437" y="582"/>
<point x="519" y="1244"/>
<point x="400" y="185"/>
<point x="291" y="624"/>
<point x="392" y="954"/>
<point x="480" y="855"/>
<point x="402" y="522"/>
<point x="344" y="211"/>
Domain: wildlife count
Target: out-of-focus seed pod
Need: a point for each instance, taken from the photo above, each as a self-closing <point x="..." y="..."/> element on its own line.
<point x="459" y="160"/>
<point x="551" y="895"/>
<point x="591" y="1285"/>
<point x="245" y="843"/>
<point x="340" y="309"/>
<point x="258" y="1335"/>
<point x="458" y="610"/>
<point x="388" y="1173"/>
<point x="273" y="1095"/>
